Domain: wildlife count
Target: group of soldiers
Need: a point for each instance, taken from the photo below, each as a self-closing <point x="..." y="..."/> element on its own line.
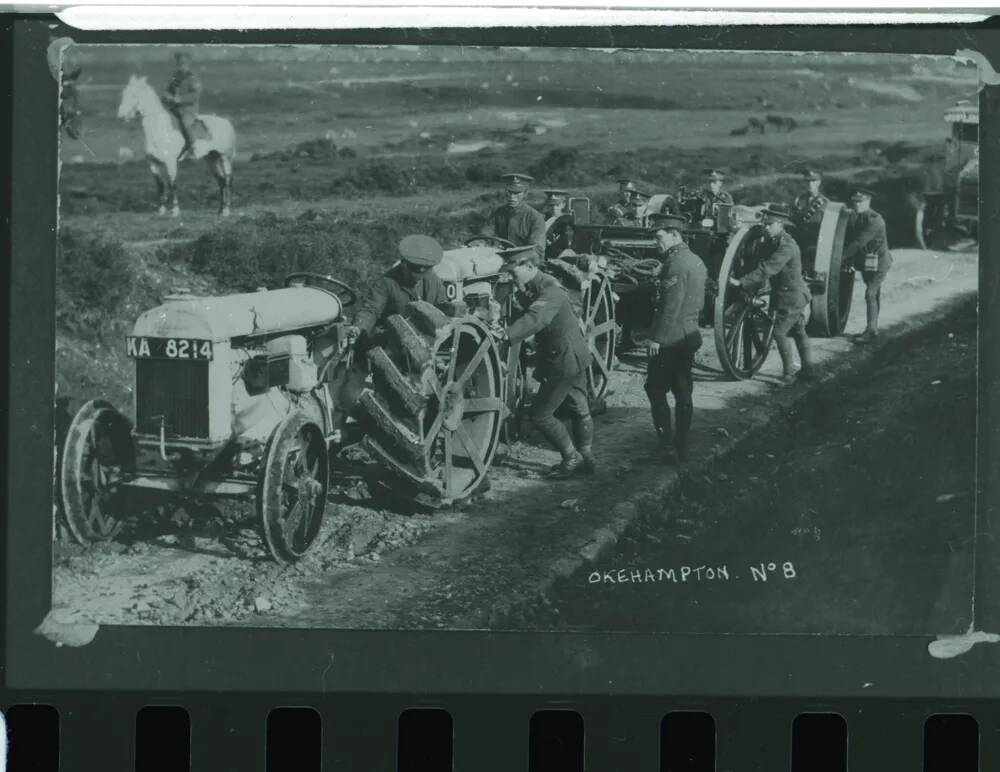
<point x="562" y="353"/>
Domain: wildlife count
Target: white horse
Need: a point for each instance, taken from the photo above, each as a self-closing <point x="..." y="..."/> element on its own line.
<point x="164" y="141"/>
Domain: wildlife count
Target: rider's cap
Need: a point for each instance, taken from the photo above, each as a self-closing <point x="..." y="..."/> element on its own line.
<point x="626" y="185"/>
<point x="516" y="183"/>
<point x="776" y="213"/>
<point x="665" y="221"/>
<point x="860" y="194"/>
<point x="812" y="175"/>
<point x="517" y="256"/>
<point x="715" y="175"/>
<point x="420" y="250"/>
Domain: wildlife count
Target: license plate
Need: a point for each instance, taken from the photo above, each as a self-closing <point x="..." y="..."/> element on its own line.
<point x="167" y="348"/>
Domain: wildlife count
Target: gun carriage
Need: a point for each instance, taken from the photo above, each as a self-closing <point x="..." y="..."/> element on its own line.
<point x="728" y="237"/>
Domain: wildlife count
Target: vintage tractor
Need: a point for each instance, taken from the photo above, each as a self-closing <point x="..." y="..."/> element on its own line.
<point x="952" y="206"/>
<point x="237" y="396"/>
<point x="728" y="238"/>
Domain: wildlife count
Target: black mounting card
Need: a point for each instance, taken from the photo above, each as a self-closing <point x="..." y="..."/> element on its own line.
<point x="339" y="418"/>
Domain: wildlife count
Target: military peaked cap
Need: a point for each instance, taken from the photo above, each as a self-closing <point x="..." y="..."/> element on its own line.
<point x="811" y="174"/>
<point x="862" y="193"/>
<point x="517" y="182"/>
<point x="665" y="221"/>
<point x="420" y="250"/>
<point x="776" y="213"/>
<point x="626" y="184"/>
<point x="557" y="193"/>
<point x="517" y="256"/>
<point x="715" y="174"/>
<point x="637" y="192"/>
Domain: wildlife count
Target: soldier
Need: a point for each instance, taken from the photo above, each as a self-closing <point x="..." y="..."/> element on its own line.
<point x="781" y="262"/>
<point x="555" y="203"/>
<point x="674" y="337"/>
<point x="182" y="95"/>
<point x="637" y="208"/>
<point x="515" y="221"/>
<point x="562" y="361"/>
<point x="619" y="212"/>
<point x="714" y="194"/>
<point x="807" y="212"/>
<point x="408" y="280"/>
<point x="867" y="250"/>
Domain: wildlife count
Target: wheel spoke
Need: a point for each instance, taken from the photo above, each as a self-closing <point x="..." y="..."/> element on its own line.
<point x="599" y="360"/>
<point x="292" y="521"/>
<point x="448" y="462"/>
<point x="483" y="405"/>
<point x="474" y="363"/>
<point x="454" y="354"/>
<point x="470" y="447"/>
<point x="602" y="329"/>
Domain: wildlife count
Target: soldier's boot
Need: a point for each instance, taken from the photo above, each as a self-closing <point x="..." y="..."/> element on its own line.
<point x="785" y="347"/>
<point x="808" y="370"/>
<point x="554" y="431"/>
<point x="661" y="419"/>
<point x="583" y="438"/>
<point x="685" y="414"/>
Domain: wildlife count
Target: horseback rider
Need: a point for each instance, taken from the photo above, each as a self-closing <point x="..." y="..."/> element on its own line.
<point x="181" y="97"/>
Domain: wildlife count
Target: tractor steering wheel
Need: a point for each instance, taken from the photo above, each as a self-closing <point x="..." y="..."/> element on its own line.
<point x="336" y="286"/>
<point x="490" y="240"/>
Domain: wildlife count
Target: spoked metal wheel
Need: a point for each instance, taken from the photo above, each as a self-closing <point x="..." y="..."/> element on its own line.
<point x="516" y="393"/>
<point x="600" y="330"/>
<point x="436" y="406"/>
<point x="291" y="496"/>
<point x="831" y="307"/>
<point x="744" y="327"/>
<point x="98" y="450"/>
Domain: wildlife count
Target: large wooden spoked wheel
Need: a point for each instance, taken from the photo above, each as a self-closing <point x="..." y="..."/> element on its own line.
<point x="515" y="394"/>
<point x="436" y="404"/>
<point x="98" y="449"/>
<point x="597" y="321"/>
<point x="744" y="327"/>
<point x="295" y="479"/>
<point x="831" y="307"/>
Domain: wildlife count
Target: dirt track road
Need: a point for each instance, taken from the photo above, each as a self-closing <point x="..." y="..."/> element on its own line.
<point x="474" y="566"/>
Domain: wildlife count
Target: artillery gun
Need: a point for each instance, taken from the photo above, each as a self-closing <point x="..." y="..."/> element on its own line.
<point x="952" y="207"/>
<point x="728" y="238"/>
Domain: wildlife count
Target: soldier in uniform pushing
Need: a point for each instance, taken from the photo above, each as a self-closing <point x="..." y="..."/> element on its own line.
<point x="807" y="213"/>
<point x="562" y="361"/>
<point x="182" y="96"/>
<point x="781" y="263"/>
<point x="674" y="337"/>
<point x="867" y="250"/>
<point x="515" y="221"/>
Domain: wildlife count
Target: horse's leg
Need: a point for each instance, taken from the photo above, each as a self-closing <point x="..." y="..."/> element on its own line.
<point x="171" y="165"/>
<point x="214" y="161"/>
<point x="227" y="169"/>
<point x="161" y="187"/>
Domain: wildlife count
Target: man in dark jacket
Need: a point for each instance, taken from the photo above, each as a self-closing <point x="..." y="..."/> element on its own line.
<point x="515" y="221"/>
<point x="182" y="95"/>
<point x="562" y="359"/>
<point x="866" y="249"/>
<point x="714" y="193"/>
<point x="781" y="262"/>
<point x="674" y="336"/>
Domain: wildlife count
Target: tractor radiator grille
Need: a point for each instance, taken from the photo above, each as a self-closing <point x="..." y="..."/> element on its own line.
<point x="177" y="391"/>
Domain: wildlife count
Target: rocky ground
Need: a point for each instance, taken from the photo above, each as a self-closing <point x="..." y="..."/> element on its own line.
<point x="483" y="564"/>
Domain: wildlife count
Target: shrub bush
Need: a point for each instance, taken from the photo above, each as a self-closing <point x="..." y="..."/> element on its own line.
<point x="95" y="277"/>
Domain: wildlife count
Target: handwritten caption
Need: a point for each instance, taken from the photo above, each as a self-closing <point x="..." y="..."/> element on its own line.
<point x="759" y="572"/>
